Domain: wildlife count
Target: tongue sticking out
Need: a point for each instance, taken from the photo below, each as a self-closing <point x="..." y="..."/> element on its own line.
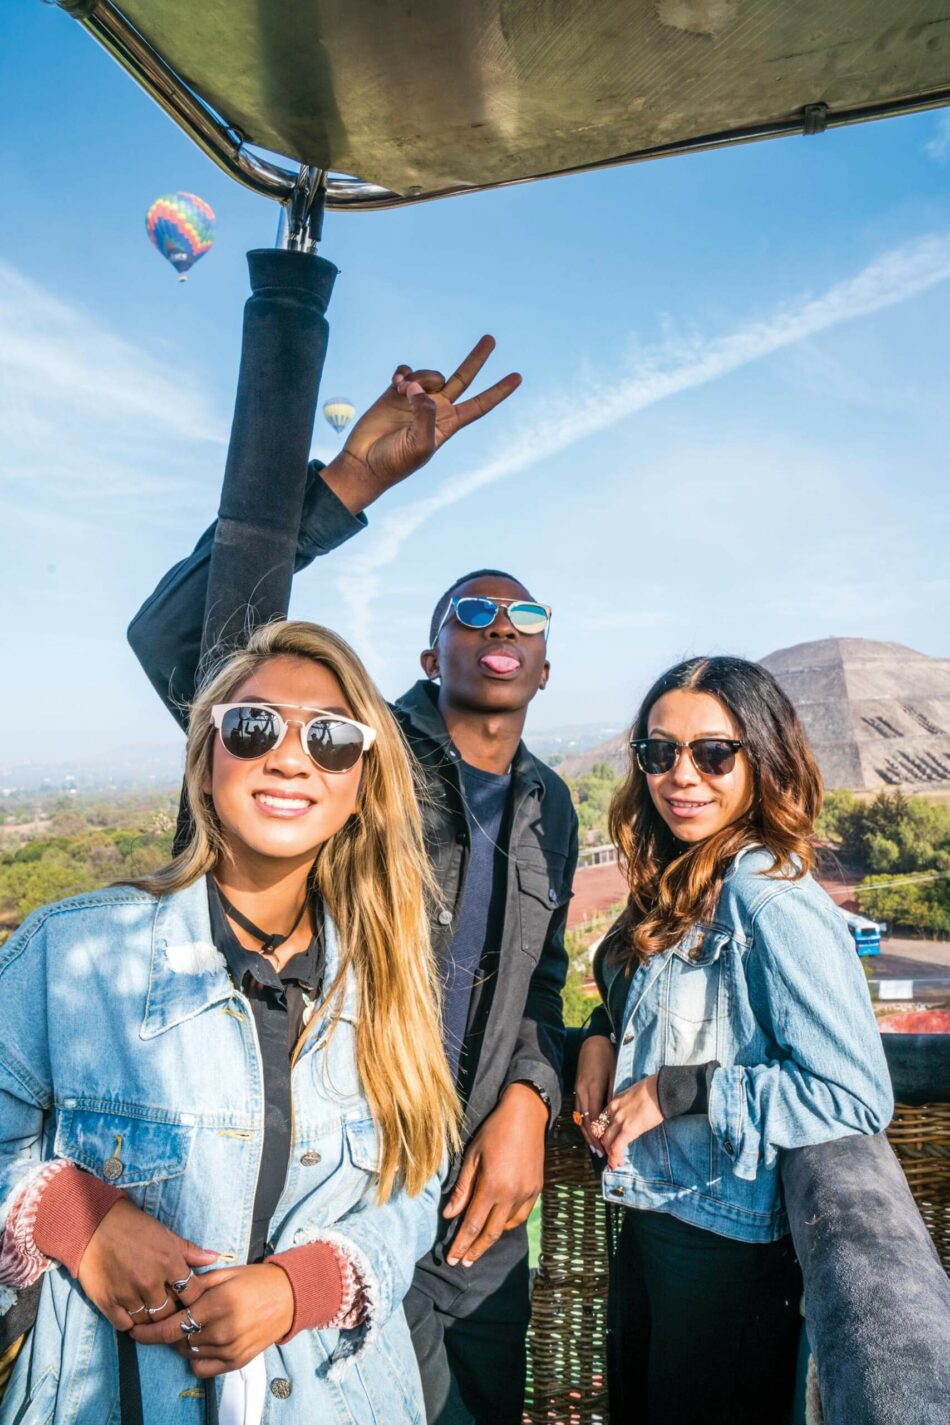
<point x="501" y="663"/>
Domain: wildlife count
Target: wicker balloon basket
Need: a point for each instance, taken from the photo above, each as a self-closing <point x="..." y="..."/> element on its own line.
<point x="567" y="1372"/>
<point x="567" y="1368"/>
<point x="920" y="1137"/>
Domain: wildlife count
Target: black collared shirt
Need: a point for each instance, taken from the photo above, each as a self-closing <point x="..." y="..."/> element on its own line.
<point x="280" y="1003"/>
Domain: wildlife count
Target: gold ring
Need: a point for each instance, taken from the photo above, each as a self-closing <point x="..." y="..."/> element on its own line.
<point x="600" y="1125"/>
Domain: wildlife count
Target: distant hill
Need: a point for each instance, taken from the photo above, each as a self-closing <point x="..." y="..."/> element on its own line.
<point x="554" y="744"/>
<point x="877" y="714"/>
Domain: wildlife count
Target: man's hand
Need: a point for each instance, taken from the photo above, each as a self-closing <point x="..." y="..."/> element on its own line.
<point x="130" y="1263"/>
<point x="242" y="1312"/>
<point x="502" y="1174"/>
<point x="631" y="1113"/>
<point x="418" y="412"/>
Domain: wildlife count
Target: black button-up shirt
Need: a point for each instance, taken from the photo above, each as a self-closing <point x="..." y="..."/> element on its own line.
<point x="280" y="1003"/>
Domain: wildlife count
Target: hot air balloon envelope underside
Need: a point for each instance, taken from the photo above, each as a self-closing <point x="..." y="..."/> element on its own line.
<point x="450" y="95"/>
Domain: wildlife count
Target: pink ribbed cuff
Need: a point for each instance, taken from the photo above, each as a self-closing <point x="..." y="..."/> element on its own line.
<point x="57" y="1211"/>
<point x="327" y="1288"/>
<point x="68" y="1213"/>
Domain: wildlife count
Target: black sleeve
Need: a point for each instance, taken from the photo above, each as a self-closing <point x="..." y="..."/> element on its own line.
<point x="165" y="634"/>
<point x="599" y="1024"/>
<point x="540" y="1046"/>
<point x="684" y="1088"/>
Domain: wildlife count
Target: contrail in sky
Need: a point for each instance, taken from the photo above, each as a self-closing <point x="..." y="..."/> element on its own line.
<point x="892" y="278"/>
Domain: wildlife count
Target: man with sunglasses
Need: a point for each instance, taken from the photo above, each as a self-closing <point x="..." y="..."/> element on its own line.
<point x="502" y="837"/>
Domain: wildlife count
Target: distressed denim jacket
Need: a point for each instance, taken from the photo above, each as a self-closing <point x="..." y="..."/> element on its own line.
<point x="774" y="990"/>
<point x="124" y="1043"/>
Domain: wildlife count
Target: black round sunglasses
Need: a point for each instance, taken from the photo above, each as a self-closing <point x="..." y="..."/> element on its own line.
<point x="713" y="756"/>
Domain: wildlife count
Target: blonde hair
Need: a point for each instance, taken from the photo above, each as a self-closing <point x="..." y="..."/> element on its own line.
<point x="374" y="877"/>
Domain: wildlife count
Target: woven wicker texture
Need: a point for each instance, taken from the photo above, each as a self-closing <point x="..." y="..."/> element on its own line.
<point x="566" y="1343"/>
<point x="920" y="1136"/>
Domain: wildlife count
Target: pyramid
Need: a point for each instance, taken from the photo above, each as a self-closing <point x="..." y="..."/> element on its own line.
<point x="877" y="715"/>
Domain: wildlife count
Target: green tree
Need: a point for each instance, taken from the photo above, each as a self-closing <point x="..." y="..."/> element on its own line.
<point x="591" y="795"/>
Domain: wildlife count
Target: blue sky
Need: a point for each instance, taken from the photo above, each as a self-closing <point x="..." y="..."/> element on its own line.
<point x="732" y="434"/>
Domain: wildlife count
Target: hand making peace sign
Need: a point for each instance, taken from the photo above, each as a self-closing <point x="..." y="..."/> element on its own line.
<point x="416" y="414"/>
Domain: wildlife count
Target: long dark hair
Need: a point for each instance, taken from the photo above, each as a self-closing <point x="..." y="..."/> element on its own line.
<point x="672" y="888"/>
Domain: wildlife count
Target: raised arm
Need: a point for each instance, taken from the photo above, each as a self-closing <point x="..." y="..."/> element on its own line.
<point x="416" y="414"/>
<point x="165" y="634"/>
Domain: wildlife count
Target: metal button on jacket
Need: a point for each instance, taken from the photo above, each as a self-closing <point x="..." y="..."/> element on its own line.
<point x="310" y="1158"/>
<point x="112" y="1169"/>
<point x="281" y="1387"/>
<point x="445" y="917"/>
<point x="552" y="894"/>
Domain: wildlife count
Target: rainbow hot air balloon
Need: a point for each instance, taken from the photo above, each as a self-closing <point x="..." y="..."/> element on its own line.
<point x="182" y="228"/>
<point x="339" y="413"/>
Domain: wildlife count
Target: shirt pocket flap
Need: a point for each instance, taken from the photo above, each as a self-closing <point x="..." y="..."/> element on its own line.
<point x="362" y="1143"/>
<point x="702" y="947"/>
<point x="537" y="882"/>
<point x="122" y="1148"/>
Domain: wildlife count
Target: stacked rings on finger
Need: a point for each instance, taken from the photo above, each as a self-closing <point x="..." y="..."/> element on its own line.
<point x="180" y="1286"/>
<point x="600" y="1125"/>
<point x="189" y="1326"/>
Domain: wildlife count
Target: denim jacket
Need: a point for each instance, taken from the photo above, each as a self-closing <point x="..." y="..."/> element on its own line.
<point x="122" y="1039"/>
<point x="773" y="989"/>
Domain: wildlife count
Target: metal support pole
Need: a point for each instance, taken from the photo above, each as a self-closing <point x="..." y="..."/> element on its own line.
<point x="301" y="216"/>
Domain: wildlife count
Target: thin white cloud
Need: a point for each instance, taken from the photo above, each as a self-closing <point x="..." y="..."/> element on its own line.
<point x="938" y="146"/>
<point x="95" y="422"/>
<point x="55" y="356"/>
<point x="668" y="370"/>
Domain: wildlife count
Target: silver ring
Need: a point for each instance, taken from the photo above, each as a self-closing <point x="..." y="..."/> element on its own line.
<point x="188" y="1325"/>
<point x="135" y="1313"/>
<point x="192" y="1349"/>
<point x="180" y="1286"/>
<point x="154" y="1310"/>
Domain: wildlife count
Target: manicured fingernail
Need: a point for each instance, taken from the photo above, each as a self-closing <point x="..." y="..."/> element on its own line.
<point x="452" y="1261"/>
<point x="468" y="1264"/>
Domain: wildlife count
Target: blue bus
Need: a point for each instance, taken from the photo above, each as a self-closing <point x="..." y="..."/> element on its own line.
<point x="865" y="933"/>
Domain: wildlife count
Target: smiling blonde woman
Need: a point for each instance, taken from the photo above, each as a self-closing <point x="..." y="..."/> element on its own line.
<point x="242" y="1051"/>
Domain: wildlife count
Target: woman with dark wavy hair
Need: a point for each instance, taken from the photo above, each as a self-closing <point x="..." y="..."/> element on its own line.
<point x="735" y="1023"/>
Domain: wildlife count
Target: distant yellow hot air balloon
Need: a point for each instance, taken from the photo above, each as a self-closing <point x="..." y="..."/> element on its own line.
<point x="339" y="412"/>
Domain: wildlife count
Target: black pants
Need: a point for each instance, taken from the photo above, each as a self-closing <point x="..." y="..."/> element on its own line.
<point x="468" y="1329"/>
<point x="703" y="1329"/>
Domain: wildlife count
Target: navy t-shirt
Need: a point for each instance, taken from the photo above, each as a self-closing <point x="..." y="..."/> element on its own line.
<point x="481" y="913"/>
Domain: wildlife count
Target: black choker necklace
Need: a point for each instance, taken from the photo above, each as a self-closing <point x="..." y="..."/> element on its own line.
<point x="269" y="943"/>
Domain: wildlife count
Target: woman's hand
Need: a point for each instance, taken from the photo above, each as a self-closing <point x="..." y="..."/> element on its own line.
<point x="130" y="1263"/>
<point x="595" y="1076"/>
<point x="417" y="413"/>
<point x="630" y="1114"/>
<point x="242" y="1312"/>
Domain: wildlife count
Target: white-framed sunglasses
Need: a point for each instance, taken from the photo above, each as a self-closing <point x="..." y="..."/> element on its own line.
<point x="250" y="730"/>
<point x="480" y="611"/>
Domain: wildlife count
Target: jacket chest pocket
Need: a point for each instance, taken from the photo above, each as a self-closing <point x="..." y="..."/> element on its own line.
<point x="146" y="1156"/>
<point x="694" y="1000"/>
<point x="541" y="892"/>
